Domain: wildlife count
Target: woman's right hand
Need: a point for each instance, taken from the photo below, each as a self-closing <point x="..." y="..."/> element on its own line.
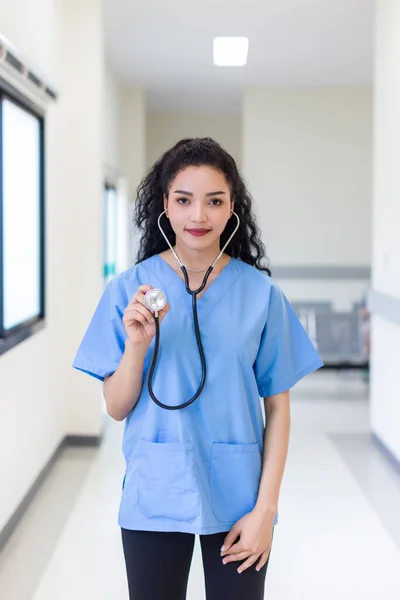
<point x="139" y="321"/>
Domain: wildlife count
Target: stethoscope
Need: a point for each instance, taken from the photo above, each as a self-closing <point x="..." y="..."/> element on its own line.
<point x="155" y="300"/>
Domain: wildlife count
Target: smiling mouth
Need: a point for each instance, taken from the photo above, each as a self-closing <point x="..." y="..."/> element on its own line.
<point x="198" y="231"/>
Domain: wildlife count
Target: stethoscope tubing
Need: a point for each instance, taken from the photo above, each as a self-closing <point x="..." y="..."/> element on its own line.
<point x="194" y="294"/>
<point x="199" y="345"/>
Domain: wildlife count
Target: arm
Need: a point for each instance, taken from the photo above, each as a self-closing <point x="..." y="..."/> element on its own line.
<point x="276" y="444"/>
<point x="122" y="389"/>
<point x="255" y="528"/>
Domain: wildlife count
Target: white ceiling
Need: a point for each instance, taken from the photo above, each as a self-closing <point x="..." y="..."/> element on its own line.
<point x="167" y="47"/>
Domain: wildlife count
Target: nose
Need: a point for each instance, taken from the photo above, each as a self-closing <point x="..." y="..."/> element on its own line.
<point x="198" y="213"/>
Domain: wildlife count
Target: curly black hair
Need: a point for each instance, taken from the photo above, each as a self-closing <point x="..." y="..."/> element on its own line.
<point x="245" y="245"/>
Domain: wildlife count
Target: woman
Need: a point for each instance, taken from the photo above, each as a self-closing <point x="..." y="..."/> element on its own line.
<point x="212" y="468"/>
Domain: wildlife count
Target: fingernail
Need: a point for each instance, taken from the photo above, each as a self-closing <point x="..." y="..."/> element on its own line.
<point x="223" y="549"/>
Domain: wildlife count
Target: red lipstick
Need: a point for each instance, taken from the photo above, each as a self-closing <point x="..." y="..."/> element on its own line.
<point x="198" y="232"/>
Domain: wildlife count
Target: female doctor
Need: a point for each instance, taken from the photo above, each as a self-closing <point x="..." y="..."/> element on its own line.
<point x="211" y="466"/>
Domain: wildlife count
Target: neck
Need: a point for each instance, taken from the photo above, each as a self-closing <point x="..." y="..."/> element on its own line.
<point x="197" y="259"/>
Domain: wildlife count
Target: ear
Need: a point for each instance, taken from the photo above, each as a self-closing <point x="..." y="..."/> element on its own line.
<point x="233" y="204"/>
<point x="165" y="201"/>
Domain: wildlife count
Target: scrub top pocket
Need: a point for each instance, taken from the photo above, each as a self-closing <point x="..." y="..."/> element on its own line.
<point x="235" y="471"/>
<point x="167" y="481"/>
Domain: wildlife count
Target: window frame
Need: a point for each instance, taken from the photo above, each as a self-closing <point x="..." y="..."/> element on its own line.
<point x="21" y="332"/>
<point x="106" y="188"/>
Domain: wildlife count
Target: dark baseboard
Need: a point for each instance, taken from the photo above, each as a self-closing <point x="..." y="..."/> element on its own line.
<point x="91" y="441"/>
<point x="68" y="441"/>
<point x="345" y="365"/>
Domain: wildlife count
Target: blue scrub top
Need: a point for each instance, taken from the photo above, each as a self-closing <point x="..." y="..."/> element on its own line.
<point x="197" y="469"/>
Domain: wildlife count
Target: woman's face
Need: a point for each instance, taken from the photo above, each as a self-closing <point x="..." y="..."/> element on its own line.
<point x="199" y="206"/>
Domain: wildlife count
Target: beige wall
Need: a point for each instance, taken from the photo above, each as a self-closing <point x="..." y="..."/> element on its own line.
<point x="307" y="156"/>
<point x="165" y="129"/>
<point x="112" y="100"/>
<point x="132" y="122"/>
<point x="124" y="118"/>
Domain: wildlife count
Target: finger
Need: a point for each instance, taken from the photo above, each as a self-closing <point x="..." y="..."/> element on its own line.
<point x="138" y="296"/>
<point x="136" y="315"/>
<point x="145" y="288"/>
<point x="248" y="563"/>
<point x="230" y="538"/>
<point x="164" y="311"/>
<point x="235" y="557"/>
<point x="130" y="312"/>
<point x="145" y="312"/>
<point x="133" y="316"/>
<point x="263" y="560"/>
<point x="142" y="291"/>
<point x="234" y="549"/>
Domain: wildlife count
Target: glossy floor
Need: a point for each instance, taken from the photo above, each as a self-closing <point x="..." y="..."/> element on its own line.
<point x="338" y="536"/>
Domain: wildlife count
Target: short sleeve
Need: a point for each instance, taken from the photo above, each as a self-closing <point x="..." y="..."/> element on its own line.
<point x="103" y="344"/>
<point x="286" y="353"/>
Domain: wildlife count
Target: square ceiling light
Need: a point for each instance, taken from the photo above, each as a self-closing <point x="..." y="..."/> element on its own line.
<point x="230" y="51"/>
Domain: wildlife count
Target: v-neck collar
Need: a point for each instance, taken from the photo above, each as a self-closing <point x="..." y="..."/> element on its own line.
<point x="216" y="291"/>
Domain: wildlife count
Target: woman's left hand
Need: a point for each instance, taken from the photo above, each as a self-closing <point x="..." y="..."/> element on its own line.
<point x="255" y="531"/>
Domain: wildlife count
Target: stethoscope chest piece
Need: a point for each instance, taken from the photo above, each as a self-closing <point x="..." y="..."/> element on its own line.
<point x="155" y="300"/>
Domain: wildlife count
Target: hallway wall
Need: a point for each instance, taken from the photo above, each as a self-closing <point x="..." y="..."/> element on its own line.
<point x="307" y="156"/>
<point x="42" y="399"/>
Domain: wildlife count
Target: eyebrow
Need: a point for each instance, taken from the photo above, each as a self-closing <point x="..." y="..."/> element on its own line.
<point x="190" y="193"/>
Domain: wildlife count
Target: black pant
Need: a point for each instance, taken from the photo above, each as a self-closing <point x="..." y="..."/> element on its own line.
<point x="158" y="564"/>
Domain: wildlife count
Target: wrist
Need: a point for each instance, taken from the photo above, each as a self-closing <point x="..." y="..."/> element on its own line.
<point x="132" y="349"/>
<point x="266" y="510"/>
